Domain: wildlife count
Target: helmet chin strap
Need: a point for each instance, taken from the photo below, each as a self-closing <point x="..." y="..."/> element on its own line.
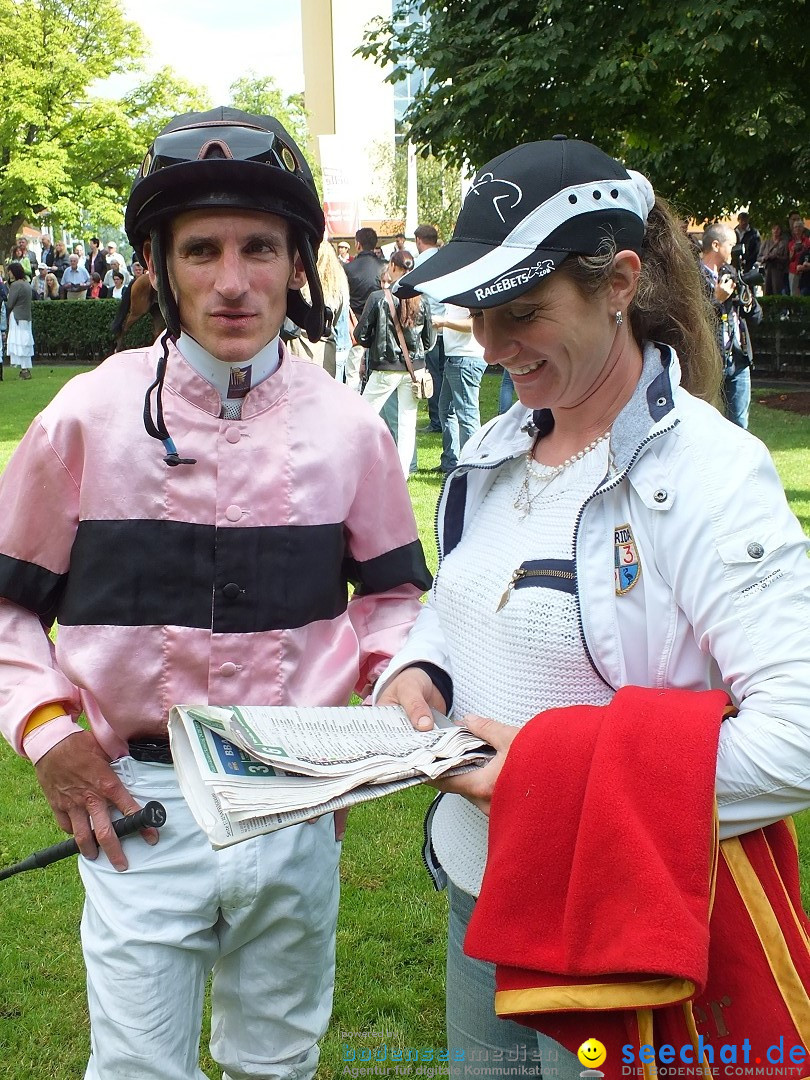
<point x="168" y="306"/>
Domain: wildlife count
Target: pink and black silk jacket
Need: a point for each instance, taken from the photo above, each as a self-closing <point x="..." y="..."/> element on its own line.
<point x="226" y="581"/>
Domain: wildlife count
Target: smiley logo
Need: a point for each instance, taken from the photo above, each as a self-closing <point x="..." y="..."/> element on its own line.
<point x="592" y="1054"/>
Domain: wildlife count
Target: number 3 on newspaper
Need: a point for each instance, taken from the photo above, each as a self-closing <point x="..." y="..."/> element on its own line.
<point x="626" y="563"/>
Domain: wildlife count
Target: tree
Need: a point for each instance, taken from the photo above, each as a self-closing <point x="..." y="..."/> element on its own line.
<point x="709" y="100"/>
<point x="438" y="187"/>
<point x="65" y="155"/>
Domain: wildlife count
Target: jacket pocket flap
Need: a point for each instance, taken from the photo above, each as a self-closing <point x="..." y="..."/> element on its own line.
<point x="749" y="546"/>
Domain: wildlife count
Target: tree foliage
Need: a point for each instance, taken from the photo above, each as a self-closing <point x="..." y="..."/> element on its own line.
<point x="438" y="187"/>
<point x="709" y="99"/>
<point x="63" y="152"/>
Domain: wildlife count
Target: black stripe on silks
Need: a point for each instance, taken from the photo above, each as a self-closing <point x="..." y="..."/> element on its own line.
<point x="454" y="512"/>
<point x="231" y="580"/>
<point x="402" y="566"/>
<point x="31" y="586"/>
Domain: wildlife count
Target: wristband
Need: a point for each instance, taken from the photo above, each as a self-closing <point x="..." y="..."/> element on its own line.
<point x="42" y="715"/>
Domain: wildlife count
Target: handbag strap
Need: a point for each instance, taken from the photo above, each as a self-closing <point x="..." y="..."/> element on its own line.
<point x="406" y="355"/>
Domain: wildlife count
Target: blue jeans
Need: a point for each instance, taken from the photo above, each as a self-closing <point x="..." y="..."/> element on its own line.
<point x="506" y="396"/>
<point x="737" y="394"/>
<point x="434" y="361"/>
<point x="472" y="1025"/>
<point x="458" y="404"/>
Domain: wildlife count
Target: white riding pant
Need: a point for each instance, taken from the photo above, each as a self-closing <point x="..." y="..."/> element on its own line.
<point x="260" y="914"/>
<point x="379" y="388"/>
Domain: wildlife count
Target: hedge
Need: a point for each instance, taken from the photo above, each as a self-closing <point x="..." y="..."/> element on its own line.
<point x="80" y="329"/>
<point x="782" y="339"/>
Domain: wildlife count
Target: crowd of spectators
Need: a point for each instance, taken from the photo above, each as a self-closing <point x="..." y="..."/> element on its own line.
<point x="53" y="275"/>
<point x="85" y="273"/>
<point x="783" y="258"/>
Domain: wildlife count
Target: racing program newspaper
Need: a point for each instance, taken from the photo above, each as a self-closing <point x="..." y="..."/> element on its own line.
<point x="245" y="770"/>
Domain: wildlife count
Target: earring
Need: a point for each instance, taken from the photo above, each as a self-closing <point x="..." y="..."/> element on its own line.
<point x="619" y="318"/>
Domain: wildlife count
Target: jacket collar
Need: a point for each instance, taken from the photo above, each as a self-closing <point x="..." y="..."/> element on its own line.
<point x="183" y="380"/>
<point x="651" y="406"/>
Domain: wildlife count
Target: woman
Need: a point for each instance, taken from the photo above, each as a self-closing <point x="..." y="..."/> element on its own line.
<point x="94" y="292"/>
<point x="331" y="350"/>
<point x="117" y="290"/>
<point x="20" y="342"/>
<point x="774" y="256"/>
<point x="336" y="296"/>
<point x="378" y="332"/>
<point x="61" y="260"/>
<point x="19" y="255"/>
<point x="51" y="287"/>
<point x="649" y="522"/>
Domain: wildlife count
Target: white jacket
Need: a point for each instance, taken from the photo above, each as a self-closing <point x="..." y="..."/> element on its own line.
<point x="715" y="581"/>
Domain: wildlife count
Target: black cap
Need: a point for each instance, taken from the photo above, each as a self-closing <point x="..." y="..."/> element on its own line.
<point x="525" y="212"/>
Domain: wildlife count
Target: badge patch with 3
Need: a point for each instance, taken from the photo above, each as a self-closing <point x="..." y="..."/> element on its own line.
<point x="626" y="563"/>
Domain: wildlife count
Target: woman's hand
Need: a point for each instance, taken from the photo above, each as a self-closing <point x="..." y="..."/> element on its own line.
<point x="413" y="689"/>
<point x="478" y="785"/>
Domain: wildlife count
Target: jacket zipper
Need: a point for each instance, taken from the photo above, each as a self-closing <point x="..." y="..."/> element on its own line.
<point x="447" y="480"/>
<point x="521" y="573"/>
<point x="603" y="491"/>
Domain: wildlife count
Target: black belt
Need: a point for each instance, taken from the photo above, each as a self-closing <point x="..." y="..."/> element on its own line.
<point x="155" y="750"/>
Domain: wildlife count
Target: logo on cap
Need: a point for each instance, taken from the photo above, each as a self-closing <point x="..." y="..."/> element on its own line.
<point x="487" y="179"/>
<point x="515" y="278"/>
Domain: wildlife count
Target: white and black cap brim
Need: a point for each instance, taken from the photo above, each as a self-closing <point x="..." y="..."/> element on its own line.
<point x="525" y="213"/>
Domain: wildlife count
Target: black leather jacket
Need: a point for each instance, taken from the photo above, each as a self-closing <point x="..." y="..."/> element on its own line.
<point x="376" y="331"/>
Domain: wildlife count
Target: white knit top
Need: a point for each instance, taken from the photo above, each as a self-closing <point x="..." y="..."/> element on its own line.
<point x="512" y="663"/>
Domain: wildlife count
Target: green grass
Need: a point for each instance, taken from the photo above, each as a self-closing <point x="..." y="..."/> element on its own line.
<point x="392" y="923"/>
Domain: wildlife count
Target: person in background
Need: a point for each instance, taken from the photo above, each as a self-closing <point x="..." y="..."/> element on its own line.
<point x="30" y="255"/>
<point x="751" y="242"/>
<point x="336" y="297"/>
<point x="343" y="251"/>
<point x="20" y="339"/>
<point x="96" y="286"/>
<point x="96" y="262"/>
<point x="51" y="287"/>
<point x="364" y="273"/>
<point x="19" y="256"/>
<point x="775" y="258"/>
<point x="799" y="257"/>
<point x="464" y="367"/>
<point x="61" y="260"/>
<point x="118" y="285"/>
<point x="427" y="244"/>
<point x="46" y="246"/>
<point x="378" y="330"/>
<point x="75" y="280"/>
<point x="735" y="306"/>
<point x="39" y="286"/>
<point x="612" y="474"/>
<point x="3" y="317"/>
<point x="506" y="394"/>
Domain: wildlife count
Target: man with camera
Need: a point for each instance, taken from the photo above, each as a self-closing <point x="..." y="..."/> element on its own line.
<point x="733" y="299"/>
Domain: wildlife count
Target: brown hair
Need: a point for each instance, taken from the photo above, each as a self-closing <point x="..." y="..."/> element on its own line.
<point x="408" y="309"/>
<point x="670" y="304"/>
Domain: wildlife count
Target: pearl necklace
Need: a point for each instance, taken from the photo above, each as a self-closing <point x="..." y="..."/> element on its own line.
<point x="545" y="474"/>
